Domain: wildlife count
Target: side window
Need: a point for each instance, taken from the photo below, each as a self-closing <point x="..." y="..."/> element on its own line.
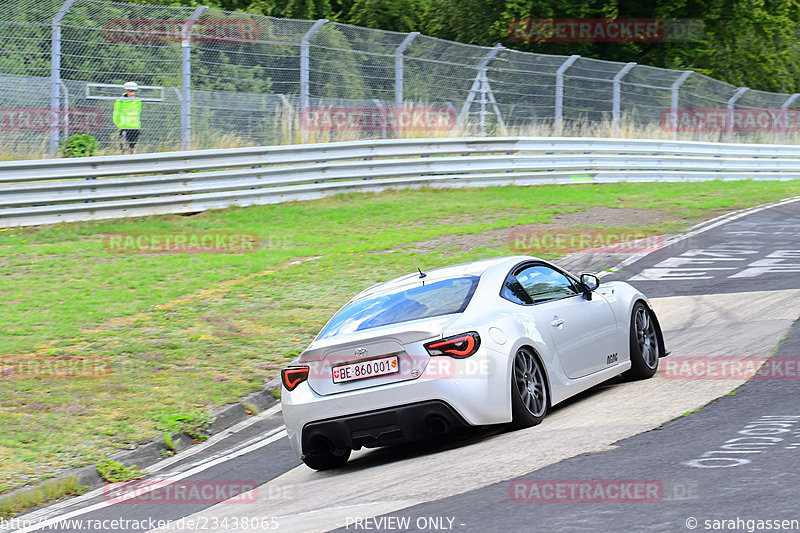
<point x="542" y="283"/>
<point x="513" y="292"/>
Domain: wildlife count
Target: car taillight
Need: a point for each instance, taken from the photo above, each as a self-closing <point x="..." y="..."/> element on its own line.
<point x="294" y="376"/>
<point x="458" y="346"/>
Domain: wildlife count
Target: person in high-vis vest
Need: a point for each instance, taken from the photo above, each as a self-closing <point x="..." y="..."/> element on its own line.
<point x="128" y="116"/>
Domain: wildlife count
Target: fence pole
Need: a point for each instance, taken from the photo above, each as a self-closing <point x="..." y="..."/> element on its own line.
<point x="66" y="108"/>
<point x="55" y="76"/>
<point x="731" y="101"/>
<point x="384" y="115"/>
<point x="558" y="111"/>
<point x="305" y="60"/>
<point x="616" y="104"/>
<point x="186" y="79"/>
<point x="476" y="85"/>
<point x="676" y="85"/>
<point x="495" y="107"/>
<point x="484" y="88"/>
<point x="789" y="101"/>
<point x="398" y="68"/>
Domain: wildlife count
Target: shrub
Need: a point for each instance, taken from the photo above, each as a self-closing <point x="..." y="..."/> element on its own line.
<point x="79" y="145"/>
<point x="115" y="472"/>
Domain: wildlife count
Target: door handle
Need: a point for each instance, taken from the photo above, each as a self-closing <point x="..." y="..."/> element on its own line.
<point x="557" y="322"/>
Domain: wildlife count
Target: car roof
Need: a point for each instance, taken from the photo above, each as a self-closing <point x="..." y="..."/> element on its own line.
<point x="474" y="268"/>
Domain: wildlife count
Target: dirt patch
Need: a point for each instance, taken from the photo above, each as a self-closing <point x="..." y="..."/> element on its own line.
<point x="609" y="216"/>
<point x="501" y="238"/>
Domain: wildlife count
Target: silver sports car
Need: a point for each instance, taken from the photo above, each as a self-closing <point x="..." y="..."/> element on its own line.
<point x="491" y="342"/>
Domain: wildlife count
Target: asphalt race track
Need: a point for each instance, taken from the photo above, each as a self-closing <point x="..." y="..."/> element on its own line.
<point x="621" y="457"/>
<point x="746" y="479"/>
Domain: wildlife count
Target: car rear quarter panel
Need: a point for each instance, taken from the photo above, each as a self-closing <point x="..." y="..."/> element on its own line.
<point x="623" y="297"/>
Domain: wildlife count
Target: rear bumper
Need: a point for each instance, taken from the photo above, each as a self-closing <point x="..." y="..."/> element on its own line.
<point x="476" y="390"/>
<point x="403" y="423"/>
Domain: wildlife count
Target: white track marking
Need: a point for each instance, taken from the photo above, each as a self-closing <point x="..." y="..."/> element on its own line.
<point x="703" y="227"/>
<point x="271" y="436"/>
<point x="281" y="433"/>
<point x="215" y="439"/>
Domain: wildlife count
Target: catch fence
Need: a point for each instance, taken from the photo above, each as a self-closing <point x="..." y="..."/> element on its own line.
<point x="222" y="79"/>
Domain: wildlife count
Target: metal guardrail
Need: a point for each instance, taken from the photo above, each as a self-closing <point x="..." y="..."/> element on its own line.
<point x="69" y="190"/>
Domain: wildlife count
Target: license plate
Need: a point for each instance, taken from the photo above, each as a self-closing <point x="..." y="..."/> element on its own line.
<point x="366" y="369"/>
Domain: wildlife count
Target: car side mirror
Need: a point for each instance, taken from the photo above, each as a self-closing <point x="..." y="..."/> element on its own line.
<point x="589" y="282"/>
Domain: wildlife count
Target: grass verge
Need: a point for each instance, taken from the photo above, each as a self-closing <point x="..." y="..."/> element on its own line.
<point x="47" y="492"/>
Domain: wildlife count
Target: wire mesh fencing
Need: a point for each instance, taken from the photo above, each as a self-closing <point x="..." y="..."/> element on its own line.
<point x="212" y="78"/>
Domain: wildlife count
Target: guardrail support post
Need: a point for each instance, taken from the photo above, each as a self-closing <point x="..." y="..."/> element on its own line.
<point x="676" y="85"/>
<point x="55" y="76"/>
<point x="789" y="101"/>
<point x="186" y="78"/>
<point x="398" y="68"/>
<point x="558" y="111"/>
<point x="305" y="61"/>
<point x="616" y="103"/>
<point x="731" y="101"/>
<point x="477" y="84"/>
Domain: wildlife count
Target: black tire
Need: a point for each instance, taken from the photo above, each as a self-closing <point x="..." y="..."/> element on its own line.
<point x="644" y="343"/>
<point x="530" y="398"/>
<point x="327" y="461"/>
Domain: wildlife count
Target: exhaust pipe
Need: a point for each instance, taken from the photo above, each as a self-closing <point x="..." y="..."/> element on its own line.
<point x="321" y="445"/>
<point x="437" y="425"/>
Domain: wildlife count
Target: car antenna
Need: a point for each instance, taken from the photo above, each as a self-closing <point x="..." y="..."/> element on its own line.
<point x="421" y="273"/>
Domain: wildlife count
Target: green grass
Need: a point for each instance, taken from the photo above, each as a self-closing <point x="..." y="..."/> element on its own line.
<point x="59" y="280"/>
<point x="181" y="334"/>
<point x="47" y="492"/>
<point x="115" y="472"/>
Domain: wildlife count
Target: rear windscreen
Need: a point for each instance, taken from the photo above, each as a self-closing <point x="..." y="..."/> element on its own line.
<point x="443" y="297"/>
